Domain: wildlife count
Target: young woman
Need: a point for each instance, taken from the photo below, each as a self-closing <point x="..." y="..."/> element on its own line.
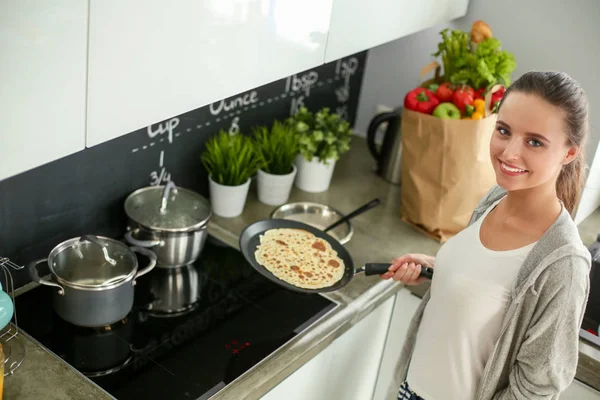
<point x="502" y="317"/>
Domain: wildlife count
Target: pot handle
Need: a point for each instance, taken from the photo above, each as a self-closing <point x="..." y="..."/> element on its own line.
<point x="33" y="273"/>
<point x="97" y="242"/>
<point x="170" y="186"/>
<point x="141" y="243"/>
<point x="148" y="253"/>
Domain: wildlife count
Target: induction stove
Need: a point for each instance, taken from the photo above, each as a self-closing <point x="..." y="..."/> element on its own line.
<point x="191" y="331"/>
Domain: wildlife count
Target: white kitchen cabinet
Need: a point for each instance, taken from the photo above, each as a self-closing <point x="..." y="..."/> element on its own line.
<point x="149" y="61"/>
<point x="357" y="25"/>
<point x="43" y="46"/>
<point x="580" y="391"/>
<point x="346" y="369"/>
<point x="405" y="306"/>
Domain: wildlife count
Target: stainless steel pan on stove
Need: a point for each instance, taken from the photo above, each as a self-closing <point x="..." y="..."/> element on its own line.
<point x="250" y="239"/>
<point x="170" y="221"/>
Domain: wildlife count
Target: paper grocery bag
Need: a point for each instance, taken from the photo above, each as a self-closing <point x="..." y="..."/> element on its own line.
<point x="446" y="170"/>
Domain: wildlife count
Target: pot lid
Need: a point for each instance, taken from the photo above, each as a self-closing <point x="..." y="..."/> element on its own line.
<point x="168" y="208"/>
<point x="92" y="262"/>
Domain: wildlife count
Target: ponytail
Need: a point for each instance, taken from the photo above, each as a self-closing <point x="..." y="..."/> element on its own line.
<point x="570" y="183"/>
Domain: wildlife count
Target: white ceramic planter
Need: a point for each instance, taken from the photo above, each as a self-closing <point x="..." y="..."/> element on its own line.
<point x="313" y="176"/>
<point x="228" y="201"/>
<point x="273" y="189"/>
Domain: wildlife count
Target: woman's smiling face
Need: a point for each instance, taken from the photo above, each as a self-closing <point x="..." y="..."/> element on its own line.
<point x="529" y="145"/>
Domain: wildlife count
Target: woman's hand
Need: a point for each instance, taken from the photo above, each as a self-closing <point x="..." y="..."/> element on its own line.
<point x="406" y="269"/>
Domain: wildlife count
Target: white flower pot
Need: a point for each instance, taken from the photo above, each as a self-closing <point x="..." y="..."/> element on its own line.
<point x="313" y="176"/>
<point x="228" y="201"/>
<point x="273" y="189"/>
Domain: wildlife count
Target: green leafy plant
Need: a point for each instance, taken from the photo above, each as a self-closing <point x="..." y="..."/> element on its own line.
<point x="276" y="148"/>
<point x="483" y="65"/>
<point x="230" y="160"/>
<point x="322" y="135"/>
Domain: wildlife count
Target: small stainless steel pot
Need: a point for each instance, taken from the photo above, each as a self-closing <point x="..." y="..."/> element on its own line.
<point x="94" y="277"/>
<point x="169" y="220"/>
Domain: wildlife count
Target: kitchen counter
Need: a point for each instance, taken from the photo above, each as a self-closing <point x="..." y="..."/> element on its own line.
<point x="42" y="375"/>
<point x="379" y="236"/>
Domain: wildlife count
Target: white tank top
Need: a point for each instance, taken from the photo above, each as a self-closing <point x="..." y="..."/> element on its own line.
<point x="470" y="292"/>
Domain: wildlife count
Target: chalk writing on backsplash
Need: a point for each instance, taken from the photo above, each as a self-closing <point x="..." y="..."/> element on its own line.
<point x="234" y="129"/>
<point x="297" y="91"/>
<point x="346" y="68"/>
<point x="167" y="127"/>
<point x="162" y="176"/>
<point x="245" y="99"/>
<point x="342" y="111"/>
<point x="296" y="104"/>
<point x="343" y="93"/>
<point x="302" y="82"/>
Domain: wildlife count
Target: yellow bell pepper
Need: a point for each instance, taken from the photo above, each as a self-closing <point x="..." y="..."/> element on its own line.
<point x="477" y="115"/>
<point x="479" y="105"/>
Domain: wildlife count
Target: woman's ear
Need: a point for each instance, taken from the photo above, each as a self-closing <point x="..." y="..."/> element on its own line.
<point x="572" y="154"/>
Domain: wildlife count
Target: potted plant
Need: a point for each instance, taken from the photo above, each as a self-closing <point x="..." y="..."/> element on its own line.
<point x="230" y="161"/>
<point x="276" y="148"/>
<point x="322" y="139"/>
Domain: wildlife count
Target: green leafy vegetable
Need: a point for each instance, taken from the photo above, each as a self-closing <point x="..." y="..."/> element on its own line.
<point x="230" y="160"/>
<point x="276" y="148"/>
<point x="322" y="135"/>
<point x="483" y="66"/>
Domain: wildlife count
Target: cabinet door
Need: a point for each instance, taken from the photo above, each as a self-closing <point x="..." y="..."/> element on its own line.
<point x="357" y="356"/>
<point x="42" y="91"/>
<point x="579" y="391"/>
<point x="308" y="382"/>
<point x="405" y="306"/>
<point x="347" y="369"/>
<point x="149" y="62"/>
<point x="357" y="25"/>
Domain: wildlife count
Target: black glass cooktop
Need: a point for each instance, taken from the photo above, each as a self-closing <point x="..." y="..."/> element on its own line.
<point x="192" y="330"/>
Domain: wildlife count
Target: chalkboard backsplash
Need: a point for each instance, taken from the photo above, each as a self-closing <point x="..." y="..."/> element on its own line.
<point x="84" y="192"/>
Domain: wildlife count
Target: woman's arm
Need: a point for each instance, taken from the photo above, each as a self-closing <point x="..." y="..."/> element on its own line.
<point x="547" y="358"/>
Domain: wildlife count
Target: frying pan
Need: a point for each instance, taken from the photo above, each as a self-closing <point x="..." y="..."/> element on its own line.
<point x="250" y="239"/>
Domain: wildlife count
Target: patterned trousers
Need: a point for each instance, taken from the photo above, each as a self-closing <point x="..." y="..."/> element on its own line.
<point x="406" y="393"/>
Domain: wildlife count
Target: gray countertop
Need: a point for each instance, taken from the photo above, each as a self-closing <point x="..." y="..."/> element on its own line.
<point x="379" y="236"/>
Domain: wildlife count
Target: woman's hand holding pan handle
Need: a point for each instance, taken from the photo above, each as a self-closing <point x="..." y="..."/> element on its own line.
<point x="406" y="269"/>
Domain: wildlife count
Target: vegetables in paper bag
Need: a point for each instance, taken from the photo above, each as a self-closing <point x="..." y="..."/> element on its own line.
<point x="421" y="100"/>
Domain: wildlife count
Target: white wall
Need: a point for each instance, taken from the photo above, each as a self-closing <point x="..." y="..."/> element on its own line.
<point x="542" y="34"/>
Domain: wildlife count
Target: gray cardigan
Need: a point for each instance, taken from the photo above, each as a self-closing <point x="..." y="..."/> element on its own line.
<point x="537" y="352"/>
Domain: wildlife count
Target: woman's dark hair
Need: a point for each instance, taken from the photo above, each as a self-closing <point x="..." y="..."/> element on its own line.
<point x="562" y="91"/>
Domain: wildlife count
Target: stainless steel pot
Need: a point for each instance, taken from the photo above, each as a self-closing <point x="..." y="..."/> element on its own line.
<point x="169" y="220"/>
<point x="94" y="277"/>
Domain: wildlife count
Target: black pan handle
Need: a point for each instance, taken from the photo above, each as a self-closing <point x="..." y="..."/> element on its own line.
<point x="426" y="272"/>
<point x="373" y="203"/>
<point x="382" y="268"/>
<point x="376" y="268"/>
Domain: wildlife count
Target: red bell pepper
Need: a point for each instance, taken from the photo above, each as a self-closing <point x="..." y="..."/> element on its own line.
<point x="421" y="100"/>
<point x="444" y="93"/>
<point x="496" y="98"/>
<point x="497" y="95"/>
<point x="462" y="98"/>
<point x="479" y="94"/>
